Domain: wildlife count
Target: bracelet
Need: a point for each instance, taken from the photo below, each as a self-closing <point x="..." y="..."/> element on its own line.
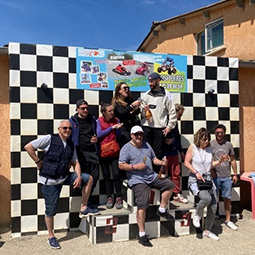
<point x="38" y="161"/>
<point x="235" y="174"/>
<point x="220" y="161"/>
<point x="132" y="167"/>
<point x="196" y="173"/>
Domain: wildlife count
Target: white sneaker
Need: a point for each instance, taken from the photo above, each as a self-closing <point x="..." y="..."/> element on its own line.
<point x="180" y="198"/>
<point x="211" y="235"/>
<point x="231" y="225"/>
<point x="196" y="221"/>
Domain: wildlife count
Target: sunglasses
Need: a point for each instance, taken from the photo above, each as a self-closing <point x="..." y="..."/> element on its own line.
<point x="137" y="134"/>
<point x="217" y="133"/>
<point x="126" y="87"/>
<point x="84" y="108"/>
<point x="206" y="139"/>
<point x="65" y="128"/>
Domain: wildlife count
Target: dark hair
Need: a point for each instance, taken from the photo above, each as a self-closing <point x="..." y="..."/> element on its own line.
<point x="117" y="98"/>
<point x="200" y="134"/>
<point x="104" y="107"/>
<point x="220" y="126"/>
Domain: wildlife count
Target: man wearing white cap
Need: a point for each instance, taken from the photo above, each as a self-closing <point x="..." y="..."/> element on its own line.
<point x="159" y="102"/>
<point x="136" y="158"/>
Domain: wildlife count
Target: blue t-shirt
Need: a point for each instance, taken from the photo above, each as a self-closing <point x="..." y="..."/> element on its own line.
<point x="132" y="155"/>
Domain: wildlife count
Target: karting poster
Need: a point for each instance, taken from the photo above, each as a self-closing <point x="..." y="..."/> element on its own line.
<point x="100" y="69"/>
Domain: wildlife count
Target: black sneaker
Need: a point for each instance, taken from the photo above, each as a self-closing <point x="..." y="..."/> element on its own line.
<point x="144" y="240"/>
<point x="165" y="215"/>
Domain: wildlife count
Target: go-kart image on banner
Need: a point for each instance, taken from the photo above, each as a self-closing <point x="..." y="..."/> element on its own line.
<point x="103" y="69"/>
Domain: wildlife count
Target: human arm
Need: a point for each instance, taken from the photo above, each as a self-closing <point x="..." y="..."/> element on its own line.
<point x="123" y="111"/>
<point x="172" y="119"/>
<point x="102" y="133"/>
<point x="159" y="162"/>
<point x="77" y="169"/>
<point x="187" y="163"/>
<point x="223" y="157"/>
<point x="129" y="167"/>
<point x="31" y="152"/>
<point x="234" y="166"/>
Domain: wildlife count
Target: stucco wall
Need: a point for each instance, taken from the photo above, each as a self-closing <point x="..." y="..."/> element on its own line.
<point x="247" y="117"/>
<point x="5" y="187"/>
<point x="239" y="33"/>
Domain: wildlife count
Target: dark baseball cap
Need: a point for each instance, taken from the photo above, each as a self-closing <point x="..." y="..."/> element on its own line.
<point x="80" y="102"/>
<point x="154" y="76"/>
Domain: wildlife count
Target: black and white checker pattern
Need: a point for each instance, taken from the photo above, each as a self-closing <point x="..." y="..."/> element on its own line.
<point x="35" y="112"/>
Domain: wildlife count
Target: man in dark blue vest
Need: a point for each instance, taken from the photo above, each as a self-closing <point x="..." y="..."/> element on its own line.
<point x="59" y="155"/>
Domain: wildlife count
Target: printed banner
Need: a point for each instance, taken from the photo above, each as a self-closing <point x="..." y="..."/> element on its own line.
<point x="103" y="69"/>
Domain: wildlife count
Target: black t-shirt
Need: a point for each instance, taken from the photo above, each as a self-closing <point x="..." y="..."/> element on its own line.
<point x="86" y="133"/>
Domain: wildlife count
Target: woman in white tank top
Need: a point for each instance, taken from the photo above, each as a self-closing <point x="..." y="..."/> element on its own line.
<point x="199" y="162"/>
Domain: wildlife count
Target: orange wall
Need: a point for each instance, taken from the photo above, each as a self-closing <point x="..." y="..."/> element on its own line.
<point x="5" y="168"/>
<point x="239" y="33"/>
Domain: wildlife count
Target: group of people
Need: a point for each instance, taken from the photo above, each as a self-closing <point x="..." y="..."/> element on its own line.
<point x="120" y="140"/>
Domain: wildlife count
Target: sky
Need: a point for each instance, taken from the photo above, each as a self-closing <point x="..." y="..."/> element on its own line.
<point x="107" y="24"/>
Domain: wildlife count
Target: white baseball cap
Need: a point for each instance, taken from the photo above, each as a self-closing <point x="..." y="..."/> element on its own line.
<point x="136" y="129"/>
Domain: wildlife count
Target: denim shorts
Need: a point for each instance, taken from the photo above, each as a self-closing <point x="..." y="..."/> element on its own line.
<point x="225" y="184"/>
<point x="51" y="193"/>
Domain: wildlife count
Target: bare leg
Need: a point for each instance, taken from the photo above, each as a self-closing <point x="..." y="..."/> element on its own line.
<point x="49" y="224"/>
<point x="86" y="193"/>
<point x="165" y="198"/>
<point x="227" y="206"/>
<point x="140" y="216"/>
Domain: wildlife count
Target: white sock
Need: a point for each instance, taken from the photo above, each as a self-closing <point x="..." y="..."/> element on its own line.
<point x="162" y="210"/>
<point x="142" y="234"/>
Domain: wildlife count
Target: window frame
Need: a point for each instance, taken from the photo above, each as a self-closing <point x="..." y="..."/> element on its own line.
<point x="206" y="31"/>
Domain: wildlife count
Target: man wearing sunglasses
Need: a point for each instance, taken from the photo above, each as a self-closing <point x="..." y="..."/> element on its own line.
<point x="223" y="171"/>
<point x="136" y="158"/>
<point x="159" y="102"/>
<point x="85" y="141"/>
<point x="59" y="155"/>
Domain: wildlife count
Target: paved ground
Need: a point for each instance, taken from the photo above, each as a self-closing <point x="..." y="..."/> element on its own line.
<point x="231" y="242"/>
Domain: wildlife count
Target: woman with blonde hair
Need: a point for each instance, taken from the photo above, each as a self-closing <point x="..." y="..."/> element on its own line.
<point x="199" y="162"/>
<point x="126" y="109"/>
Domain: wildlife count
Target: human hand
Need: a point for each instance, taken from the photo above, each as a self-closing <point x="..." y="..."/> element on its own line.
<point x="164" y="162"/>
<point x="168" y="141"/>
<point x="199" y="177"/>
<point x="136" y="103"/>
<point x="140" y="166"/>
<point x="77" y="183"/>
<point x="39" y="165"/>
<point x="117" y="126"/>
<point x="235" y="179"/>
<point x="93" y="139"/>
<point x="224" y="157"/>
<point x="146" y="108"/>
<point x="166" y="131"/>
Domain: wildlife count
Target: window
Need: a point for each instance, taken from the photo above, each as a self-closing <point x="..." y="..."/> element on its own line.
<point x="211" y="37"/>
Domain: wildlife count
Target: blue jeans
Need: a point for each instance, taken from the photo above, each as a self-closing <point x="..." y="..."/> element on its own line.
<point x="51" y="193"/>
<point x="225" y="184"/>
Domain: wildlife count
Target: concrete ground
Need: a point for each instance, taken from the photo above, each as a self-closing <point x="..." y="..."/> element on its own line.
<point x="231" y="242"/>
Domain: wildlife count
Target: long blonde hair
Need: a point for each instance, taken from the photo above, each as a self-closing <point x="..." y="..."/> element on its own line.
<point x="117" y="98"/>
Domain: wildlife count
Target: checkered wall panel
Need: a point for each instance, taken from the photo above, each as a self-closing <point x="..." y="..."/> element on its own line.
<point x="35" y="112"/>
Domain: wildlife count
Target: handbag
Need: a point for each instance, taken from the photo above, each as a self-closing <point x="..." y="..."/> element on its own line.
<point x="204" y="185"/>
<point x="110" y="149"/>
